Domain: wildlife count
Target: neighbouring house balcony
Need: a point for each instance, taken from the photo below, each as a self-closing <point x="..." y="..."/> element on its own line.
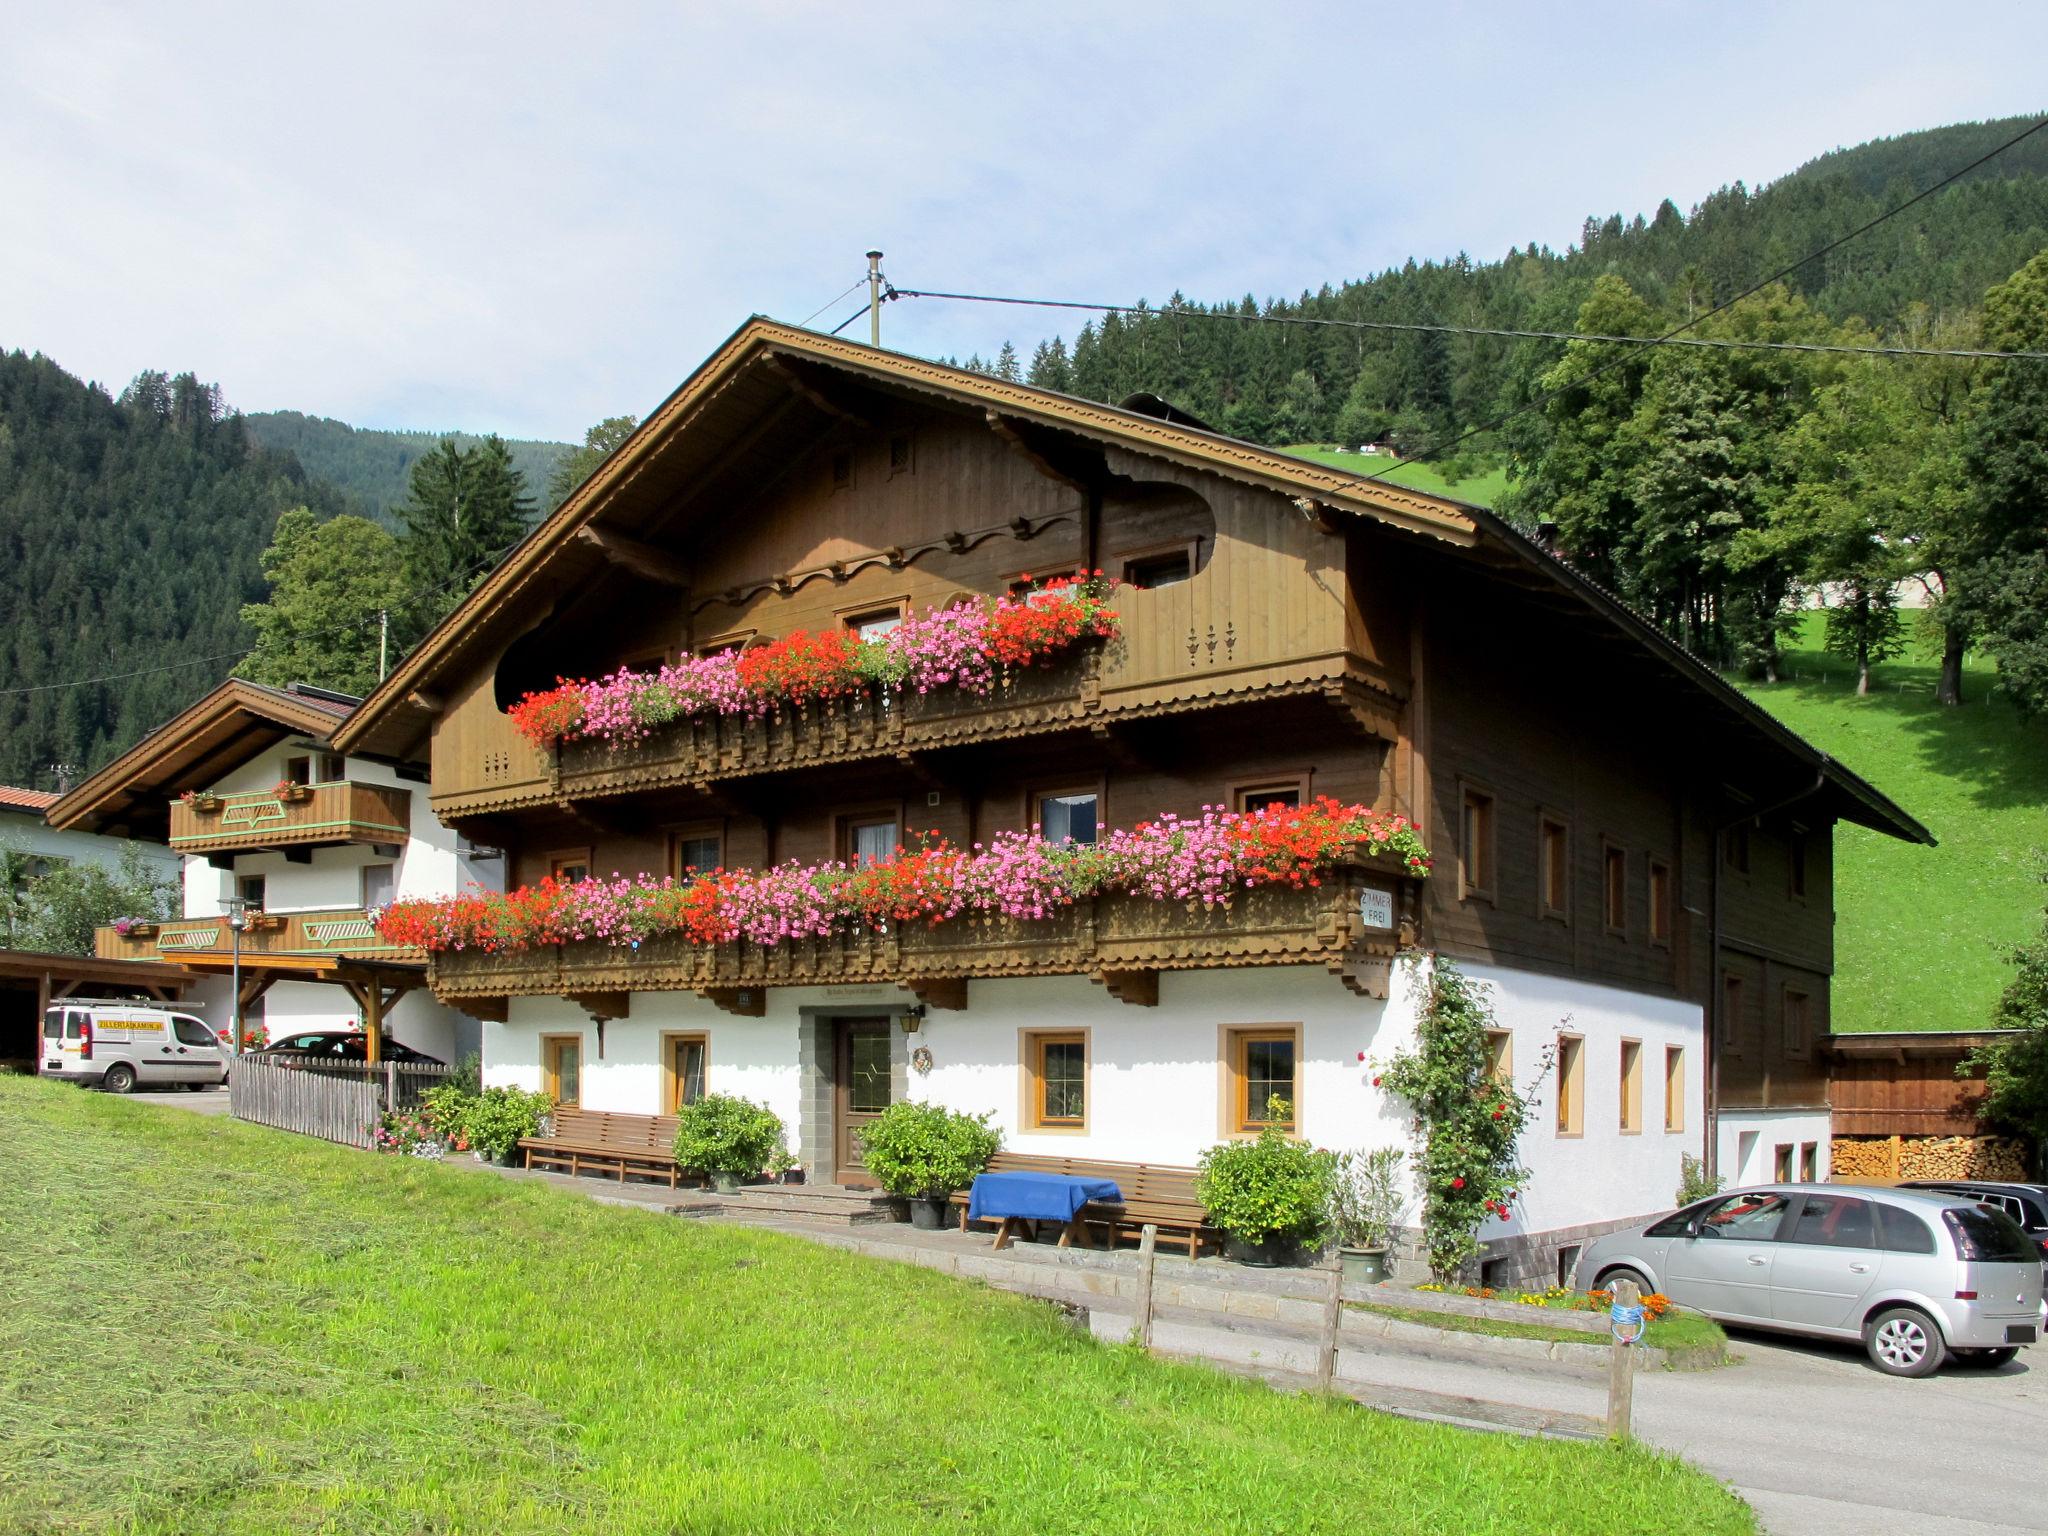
<point x="1353" y="925"/>
<point x="348" y="934"/>
<point x="306" y="816"/>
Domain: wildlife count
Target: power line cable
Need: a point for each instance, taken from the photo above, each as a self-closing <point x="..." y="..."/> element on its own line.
<point x="842" y="325"/>
<point x="807" y="319"/>
<point x="1178" y="311"/>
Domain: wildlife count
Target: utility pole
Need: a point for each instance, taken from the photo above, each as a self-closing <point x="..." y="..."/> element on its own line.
<point x="874" y="298"/>
<point x="383" y="642"/>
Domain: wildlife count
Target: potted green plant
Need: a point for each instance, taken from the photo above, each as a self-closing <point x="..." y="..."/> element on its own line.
<point x="727" y="1139"/>
<point x="1269" y="1195"/>
<point x="490" y="1122"/>
<point x="921" y="1153"/>
<point x="1366" y="1200"/>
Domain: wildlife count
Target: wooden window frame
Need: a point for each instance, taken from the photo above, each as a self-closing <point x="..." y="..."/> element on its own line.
<point x="1629" y="1062"/>
<point x="333" y="768"/>
<point x="586" y="856"/>
<point x="847" y="818"/>
<point x="298" y="768"/>
<point x="363" y="880"/>
<point x="1099" y="788"/>
<point x="1732" y="988"/>
<point x="1570" y="1119"/>
<point x="1500" y="1053"/>
<point x="909" y="464"/>
<point x="1663" y="904"/>
<point x="712" y="827"/>
<point x="728" y="640"/>
<point x="1610" y="851"/>
<point x="850" y="617"/>
<point x="1231" y="1116"/>
<point x="1674" y="1089"/>
<point x="1031" y="1043"/>
<point x="1803" y="1050"/>
<point x="671" y="1080"/>
<point x="1783" y="1169"/>
<point x="550" y="1070"/>
<point x="1241" y="789"/>
<point x="1809" y="1162"/>
<point x="1190" y="547"/>
<point x="1547" y="821"/>
<point x="1470" y="790"/>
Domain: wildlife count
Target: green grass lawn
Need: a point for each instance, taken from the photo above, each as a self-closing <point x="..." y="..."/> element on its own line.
<point x="213" y="1327"/>
<point x="1674" y="1330"/>
<point x="1410" y="474"/>
<point x="1919" y="931"/>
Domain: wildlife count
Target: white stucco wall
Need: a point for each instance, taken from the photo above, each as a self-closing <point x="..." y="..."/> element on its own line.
<point x="1749" y="1140"/>
<point x="28" y="831"/>
<point x="1155" y="1086"/>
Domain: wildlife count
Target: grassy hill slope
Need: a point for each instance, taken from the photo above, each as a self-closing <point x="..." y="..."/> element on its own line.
<point x="1483" y="489"/>
<point x="1919" y="932"/>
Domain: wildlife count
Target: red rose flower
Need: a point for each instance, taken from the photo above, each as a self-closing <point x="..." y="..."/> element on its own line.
<point x="1458" y="1182"/>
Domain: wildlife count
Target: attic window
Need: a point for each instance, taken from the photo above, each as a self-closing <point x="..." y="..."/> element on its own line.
<point x="842" y="469"/>
<point x="1164" y="568"/>
<point x="901" y="460"/>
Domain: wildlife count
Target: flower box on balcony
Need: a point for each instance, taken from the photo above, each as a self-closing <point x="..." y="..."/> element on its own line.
<point x="206" y="804"/>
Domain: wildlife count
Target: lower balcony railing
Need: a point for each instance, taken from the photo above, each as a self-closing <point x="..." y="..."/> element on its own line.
<point x="348" y="933"/>
<point x="1346" y="925"/>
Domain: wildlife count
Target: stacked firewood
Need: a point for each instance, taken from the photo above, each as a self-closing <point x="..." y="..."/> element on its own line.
<point x="1928" y="1157"/>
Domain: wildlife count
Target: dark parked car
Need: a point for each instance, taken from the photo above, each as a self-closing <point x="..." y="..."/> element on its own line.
<point x="344" y="1045"/>
<point x="2026" y="1204"/>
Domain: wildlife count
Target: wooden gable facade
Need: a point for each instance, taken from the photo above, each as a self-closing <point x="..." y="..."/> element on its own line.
<point x="1600" y="806"/>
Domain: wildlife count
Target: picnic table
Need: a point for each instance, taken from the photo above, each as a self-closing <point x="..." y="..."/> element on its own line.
<point x="1014" y="1198"/>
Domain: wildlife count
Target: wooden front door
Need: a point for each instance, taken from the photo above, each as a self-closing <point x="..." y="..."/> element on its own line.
<point x="860" y="1090"/>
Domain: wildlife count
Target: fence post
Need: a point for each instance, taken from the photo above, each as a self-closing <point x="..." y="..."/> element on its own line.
<point x="1333" y="1319"/>
<point x="1621" y="1368"/>
<point x="1146" y="1238"/>
<point x="390" y="1087"/>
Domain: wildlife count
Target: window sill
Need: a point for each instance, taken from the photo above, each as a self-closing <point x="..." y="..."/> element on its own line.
<point x="1571" y="1135"/>
<point x="1052" y="1130"/>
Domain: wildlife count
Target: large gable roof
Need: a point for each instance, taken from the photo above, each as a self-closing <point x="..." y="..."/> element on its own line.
<point x="765" y="368"/>
<point x="131" y="795"/>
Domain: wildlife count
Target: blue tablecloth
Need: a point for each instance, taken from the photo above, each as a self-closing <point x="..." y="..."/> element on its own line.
<point x="1036" y="1196"/>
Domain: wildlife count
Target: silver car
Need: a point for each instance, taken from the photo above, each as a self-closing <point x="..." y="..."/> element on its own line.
<point x="1916" y="1275"/>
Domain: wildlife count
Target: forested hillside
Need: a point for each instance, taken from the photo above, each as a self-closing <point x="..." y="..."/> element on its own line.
<point x="372" y="468"/>
<point x="129" y="537"/>
<point x="1290" y="384"/>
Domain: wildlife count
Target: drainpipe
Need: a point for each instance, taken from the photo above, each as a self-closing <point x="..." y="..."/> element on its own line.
<point x="1716" y="992"/>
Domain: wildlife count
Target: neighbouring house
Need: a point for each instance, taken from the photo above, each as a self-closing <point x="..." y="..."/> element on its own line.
<point x="43" y="847"/>
<point x="247" y="786"/>
<point x="1636" y="859"/>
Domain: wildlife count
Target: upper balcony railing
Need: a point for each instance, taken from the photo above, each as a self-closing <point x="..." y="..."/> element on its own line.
<point x="346" y="934"/>
<point x="1348" y="925"/>
<point x="305" y="814"/>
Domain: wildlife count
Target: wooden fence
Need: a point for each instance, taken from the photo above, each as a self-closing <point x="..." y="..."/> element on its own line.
<point x="318" y="1096"/>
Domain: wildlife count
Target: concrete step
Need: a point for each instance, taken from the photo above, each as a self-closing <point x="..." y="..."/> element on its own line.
<point x="821" y="1202"/>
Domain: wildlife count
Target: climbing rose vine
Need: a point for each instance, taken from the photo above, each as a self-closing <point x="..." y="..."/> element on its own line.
<point x="1201" y="861"/>
<point x="1468" y="1121"/>
<point x="965" y="645"/>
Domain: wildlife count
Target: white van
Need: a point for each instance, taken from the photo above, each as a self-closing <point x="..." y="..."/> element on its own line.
<point x="123" y="1046"/>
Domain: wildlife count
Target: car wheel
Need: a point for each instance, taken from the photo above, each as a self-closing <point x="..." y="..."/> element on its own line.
<point x="1903" y="1341"/>
<point x="1609" y="1278"/>
<point x="120" y="1078"/>
<point x="1987" y="1359"/>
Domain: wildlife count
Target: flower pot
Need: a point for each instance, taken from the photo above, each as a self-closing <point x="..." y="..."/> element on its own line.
<point x="1267" y="1253"/>
<point x="793" y="1176"/>
<point x="1367" y="1266"/>
<point x="205" y="804"/>
<point x="725" y="1183"/>
<point x="928" y="1213"/>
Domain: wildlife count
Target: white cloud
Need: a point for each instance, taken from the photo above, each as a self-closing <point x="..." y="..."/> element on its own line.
<point x="525" y="219"/>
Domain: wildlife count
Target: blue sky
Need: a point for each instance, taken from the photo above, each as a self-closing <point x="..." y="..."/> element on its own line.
<point x="524" y="218"/>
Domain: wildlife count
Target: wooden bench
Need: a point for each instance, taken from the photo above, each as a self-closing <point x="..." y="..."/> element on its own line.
<point x="1159" y="1193"/>
<point x="597" y="1141"/>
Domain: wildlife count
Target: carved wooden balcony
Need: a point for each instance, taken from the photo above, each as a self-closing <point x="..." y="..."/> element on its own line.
<point x="1123" y="942"/>
<point x="323" y="813"/>
<point x="873" y="723"/>
<point x="345" y="934"/>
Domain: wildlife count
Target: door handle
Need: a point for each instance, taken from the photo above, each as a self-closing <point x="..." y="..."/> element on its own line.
<point x="1859" y="1269"/>
<point x="1757" y="1259"/>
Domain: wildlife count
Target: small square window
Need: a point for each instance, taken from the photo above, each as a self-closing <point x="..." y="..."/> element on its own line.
<point x="1797" y="1022"/>
<point x="1809" y="1162"/>
<point x="561" y="1068"/>
<point x="333" y="769"/>
<point x="686" y="1063"/>
<point x="1258" y="797"/>
<point x="1500" y="1055"/>
<point x="1056" y="1088"/>
<point x="250" y="888"/>
<point x="873" y="623"/>
<point x="1674" y="1087"/>
<point x="1072" y="816"/>
<point x="1571" y="1085"/>
<point x="698" y="850"/>
<point x="1567" y="1261"/>
<point x="902" y="458"/>
<point x="380" y="885"/>
<point x="569" y="866"/>
<point x="298" y="770"/>
<point x="1660" y="902"/>
<point x="869" y="839"/>
<point x="842" y="469"/>
<point x="1781" y="1163"/>
<point x="1263" y="1073"/>
<point x="1165" y="569"/>
<point x="1631" y="1086"/>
